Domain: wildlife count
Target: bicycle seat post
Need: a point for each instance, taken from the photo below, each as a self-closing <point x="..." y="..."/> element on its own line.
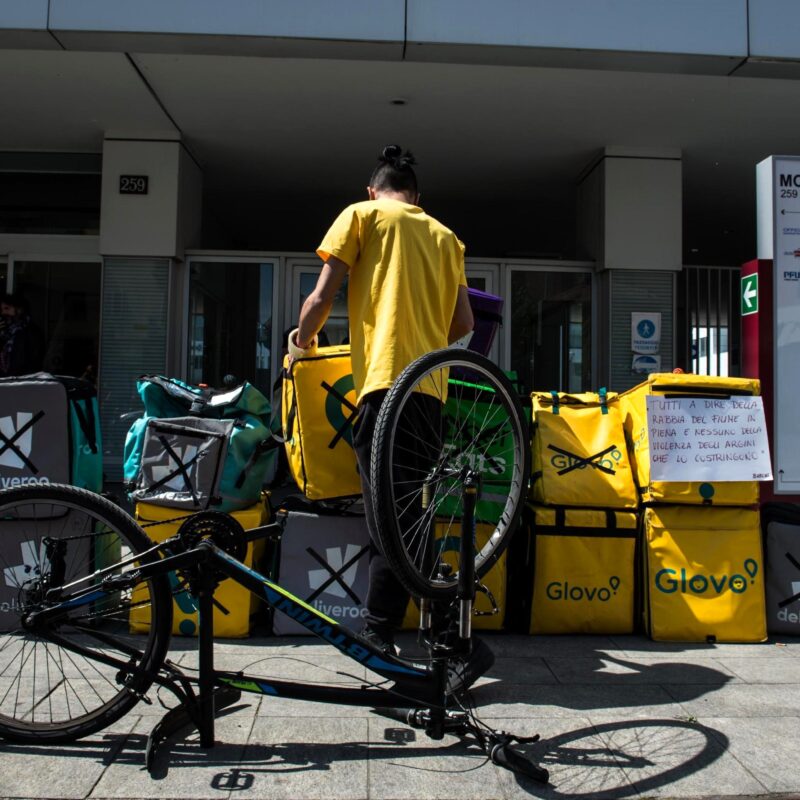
<point x="466" y="557"/>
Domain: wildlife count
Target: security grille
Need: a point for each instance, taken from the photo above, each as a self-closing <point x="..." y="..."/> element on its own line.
<point x="708" y="330"/>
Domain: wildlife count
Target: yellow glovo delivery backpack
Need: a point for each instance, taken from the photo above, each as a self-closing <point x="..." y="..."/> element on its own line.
<point x="705" y="574"/>
<point x="579" y="453"/>
<point x="318" y="409"/>
<point x="632" y="404"/>
<point x="584" y="570"/>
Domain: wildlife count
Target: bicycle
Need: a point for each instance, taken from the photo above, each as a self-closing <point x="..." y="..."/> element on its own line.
<point x="70" y="665"/>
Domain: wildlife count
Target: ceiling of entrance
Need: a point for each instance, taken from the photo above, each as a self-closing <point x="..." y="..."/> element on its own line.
<point x="283" y="143"/>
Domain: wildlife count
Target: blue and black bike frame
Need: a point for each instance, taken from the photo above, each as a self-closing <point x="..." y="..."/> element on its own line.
<point x="415" y="685"/>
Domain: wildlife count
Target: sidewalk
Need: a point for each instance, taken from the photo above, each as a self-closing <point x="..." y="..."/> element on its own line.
<point x="619" y="717"/>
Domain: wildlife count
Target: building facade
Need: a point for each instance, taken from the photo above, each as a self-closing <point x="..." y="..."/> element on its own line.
<point x="167" y="168"/>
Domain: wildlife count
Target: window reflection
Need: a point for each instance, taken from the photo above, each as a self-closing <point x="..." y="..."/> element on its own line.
<point x="64" y="302"/>
<point x="231" y="322"/>
<point x="551" y="330"/>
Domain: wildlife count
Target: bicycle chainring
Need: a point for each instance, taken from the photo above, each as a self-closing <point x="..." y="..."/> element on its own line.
<point x="222" y="529"/>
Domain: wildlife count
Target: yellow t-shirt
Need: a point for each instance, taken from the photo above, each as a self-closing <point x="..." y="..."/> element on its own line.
<point x="405" y="270"/>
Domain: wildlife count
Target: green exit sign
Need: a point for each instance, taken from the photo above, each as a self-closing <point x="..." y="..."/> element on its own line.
<point x="749" y="294"/>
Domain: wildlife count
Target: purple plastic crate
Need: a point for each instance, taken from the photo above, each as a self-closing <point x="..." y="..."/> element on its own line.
<point x="488" y="312"/>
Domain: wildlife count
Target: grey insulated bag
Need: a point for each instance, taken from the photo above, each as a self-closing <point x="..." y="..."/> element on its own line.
<point x="197" y="448"/>
<point x="780" y="524"/>
<point x="181" y="464"/>
<point x="49" y="432"/>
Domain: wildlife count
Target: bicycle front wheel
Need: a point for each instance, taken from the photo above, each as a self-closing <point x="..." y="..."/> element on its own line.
<point x="82" y="669"/>
<point x="449" y="412"/>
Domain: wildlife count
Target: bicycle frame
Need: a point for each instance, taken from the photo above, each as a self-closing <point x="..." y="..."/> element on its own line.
<point x="415" y="685"/>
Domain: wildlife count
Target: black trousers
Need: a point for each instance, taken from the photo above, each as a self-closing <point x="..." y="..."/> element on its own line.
<point x="418" y="433"/>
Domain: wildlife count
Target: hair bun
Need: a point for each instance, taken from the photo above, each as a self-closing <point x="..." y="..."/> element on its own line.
<point x="393" y="154"/>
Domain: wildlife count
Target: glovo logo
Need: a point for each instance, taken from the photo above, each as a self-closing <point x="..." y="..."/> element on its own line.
<point x="566" y="462"/>
<point x="564" y="590"/>
<point x="670" y="581"/>
<point x="340" y="409"/>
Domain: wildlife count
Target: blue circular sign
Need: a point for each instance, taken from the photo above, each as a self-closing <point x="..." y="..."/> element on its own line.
<point x="646" y="328"/>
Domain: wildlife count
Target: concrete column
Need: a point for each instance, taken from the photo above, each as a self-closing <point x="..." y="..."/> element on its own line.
<point x="151" y="198"/>
<point x="630" y="225"/>
<point x="150" y="214"/>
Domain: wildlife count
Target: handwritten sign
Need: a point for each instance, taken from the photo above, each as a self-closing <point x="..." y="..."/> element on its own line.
<point x="708" y="439"/>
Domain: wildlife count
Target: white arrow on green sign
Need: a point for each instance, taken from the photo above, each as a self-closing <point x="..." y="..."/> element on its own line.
<point x="749" y="294"/>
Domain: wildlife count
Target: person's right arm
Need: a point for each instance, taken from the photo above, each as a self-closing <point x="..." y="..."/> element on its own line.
<point x="463" y="321"/>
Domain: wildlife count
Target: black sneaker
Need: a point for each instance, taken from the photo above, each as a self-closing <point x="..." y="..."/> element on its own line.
<point x="463" y="672"/>
<point x="381" y="638"/>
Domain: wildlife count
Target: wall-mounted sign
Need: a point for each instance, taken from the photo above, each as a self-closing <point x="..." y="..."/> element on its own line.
<point x="750" y="294"/>
<point x="645" y="332"/>
<point x="133" y="184"/>
<point x="778" y="202"/>
<point x="644" y="365"/>
<point x="708" y="439"/>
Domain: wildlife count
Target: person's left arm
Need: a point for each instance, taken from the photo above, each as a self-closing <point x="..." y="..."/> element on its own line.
<point x="318" y="304"/>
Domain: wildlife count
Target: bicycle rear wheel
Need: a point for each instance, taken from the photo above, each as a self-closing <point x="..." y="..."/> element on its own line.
<point x="448" y="412"/>
<point x="83" y="669"/>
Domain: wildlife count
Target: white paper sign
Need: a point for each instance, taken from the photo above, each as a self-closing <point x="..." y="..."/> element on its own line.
<point x="708" y="439"/>
<point x="645" y="331"/>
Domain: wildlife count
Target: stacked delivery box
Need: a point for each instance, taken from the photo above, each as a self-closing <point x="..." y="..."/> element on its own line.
<point x="325" y="546"/>
<point x="197" y="450"/>
<point x="583" y="524"/>
<point x="703" y="564"/>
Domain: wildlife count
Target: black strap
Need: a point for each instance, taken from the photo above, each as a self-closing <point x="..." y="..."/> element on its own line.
<point x="491" y="316"/>
<point x="196" y="403"/>
<point x="581" y="461"/>
<point x="348" y="422"/>
<point x="181" y="469"/>
<point x="262" y="448"/>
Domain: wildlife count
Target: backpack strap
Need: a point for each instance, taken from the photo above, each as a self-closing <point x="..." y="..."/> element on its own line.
<point x="87" y="421"/>
<point x="603" y="393"/>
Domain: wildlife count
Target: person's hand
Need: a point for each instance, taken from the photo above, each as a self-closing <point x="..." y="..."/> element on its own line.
<point x="295" y="351"/>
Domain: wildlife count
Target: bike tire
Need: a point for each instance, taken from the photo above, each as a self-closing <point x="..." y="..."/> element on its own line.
<point x="448" y="409"/>
<point x="49" y="692"/>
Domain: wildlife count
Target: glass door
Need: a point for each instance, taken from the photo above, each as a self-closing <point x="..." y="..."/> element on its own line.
<point x="60" y="299"/>
<point x="302" y="278"/>
<point x="550" y="336"/>
<point x="486" y="278"/>
<point x="231" y="321"/>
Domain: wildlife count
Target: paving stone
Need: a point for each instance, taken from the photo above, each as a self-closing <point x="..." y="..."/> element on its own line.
<point x="763" y="669"/>
<point x="312" y="759"/>
<point x="629" y="671"/>
<point x="525" y="671"/>
<point x="515" y="701"/>
<point x="641" y="646"/>
<point x="766" y="747"/>
<point x="404" y="764"/>
<point x="580" y="764"/>
<point x="520" y="646"/>
<point x="63" y="771"/>
<point x="182" y="768"/>
<point x="676" y="758"/>
<point x="286" y="665"/>
<point x="739" y="700"/>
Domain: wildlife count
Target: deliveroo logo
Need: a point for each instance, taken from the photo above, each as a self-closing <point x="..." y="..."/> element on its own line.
<point x="20" y="435"/>
<point x="670" y="581"/>
<point x="169" y="472"/>
<point x="564" y="590"/>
